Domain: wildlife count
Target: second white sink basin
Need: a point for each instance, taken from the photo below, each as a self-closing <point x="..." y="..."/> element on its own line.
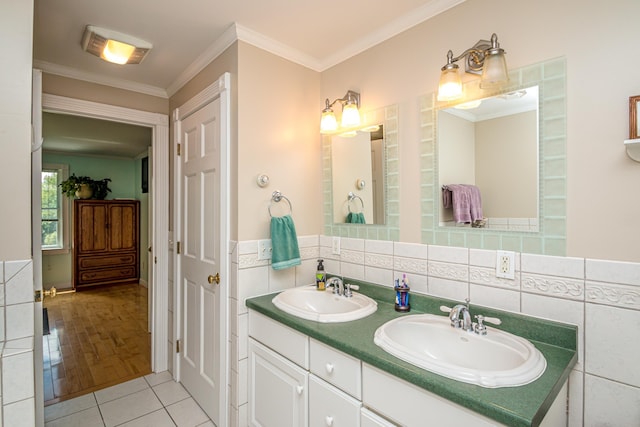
<point x="498" y="359"/>
<point x="324" y="306"/>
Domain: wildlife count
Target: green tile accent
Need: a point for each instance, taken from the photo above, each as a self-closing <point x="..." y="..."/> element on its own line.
<point x="513" y="406"/>
<point x="550" y="76"/>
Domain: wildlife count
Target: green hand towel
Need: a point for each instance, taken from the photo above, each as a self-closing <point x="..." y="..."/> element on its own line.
<point x="284" y="243"/>
<point x="355" y="218"/>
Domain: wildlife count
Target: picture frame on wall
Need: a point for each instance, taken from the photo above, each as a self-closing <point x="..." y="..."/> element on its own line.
<point x="145" y="174"/>
<point x="634" y="120"/>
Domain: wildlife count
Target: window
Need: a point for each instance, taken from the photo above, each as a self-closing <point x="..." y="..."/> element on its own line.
<point x="54" y="209"/>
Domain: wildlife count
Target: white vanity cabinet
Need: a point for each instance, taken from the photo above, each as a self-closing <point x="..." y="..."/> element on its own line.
<point x="282" y="391"/>
<point x="295" y="380"/>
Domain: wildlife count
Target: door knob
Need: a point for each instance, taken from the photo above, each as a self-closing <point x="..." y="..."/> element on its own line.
<point x="214" y="279"/>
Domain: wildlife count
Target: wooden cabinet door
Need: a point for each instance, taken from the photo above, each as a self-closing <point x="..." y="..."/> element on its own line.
<point x="122" y="226"/>
<point x="90" y="231"/>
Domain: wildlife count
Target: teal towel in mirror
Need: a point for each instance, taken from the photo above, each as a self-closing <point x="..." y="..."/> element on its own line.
<point x="284" y="243"/>
<point x="355" y="218"/>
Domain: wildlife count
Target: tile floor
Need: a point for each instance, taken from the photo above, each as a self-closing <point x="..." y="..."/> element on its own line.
<point x="154" y="400"/>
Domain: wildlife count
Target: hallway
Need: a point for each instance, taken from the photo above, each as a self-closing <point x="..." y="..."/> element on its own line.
<point x="98" y="338"/>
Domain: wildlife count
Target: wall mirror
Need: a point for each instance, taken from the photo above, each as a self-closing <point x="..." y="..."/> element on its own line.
<point x="492" y="145"/>
<point x="360" y="176"/>
<point x="550" y="164"/>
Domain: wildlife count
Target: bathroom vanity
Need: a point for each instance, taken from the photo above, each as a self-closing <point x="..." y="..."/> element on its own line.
<point x="306" y="373"/>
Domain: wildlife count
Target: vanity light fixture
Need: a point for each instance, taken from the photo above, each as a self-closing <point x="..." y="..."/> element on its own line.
<point x="113" y="46"/>
<point x="350" y="113"/>
<point x="485" y="58"/>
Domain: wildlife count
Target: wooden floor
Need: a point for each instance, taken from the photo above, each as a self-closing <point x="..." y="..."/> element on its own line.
<point x="98" y="338"/>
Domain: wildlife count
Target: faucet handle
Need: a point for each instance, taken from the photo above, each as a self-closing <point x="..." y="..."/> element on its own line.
<point x="445" y="309"/>
<point x="347" y="290"/>
<point x="480" y="328"/>
<point x="492" y="320"/>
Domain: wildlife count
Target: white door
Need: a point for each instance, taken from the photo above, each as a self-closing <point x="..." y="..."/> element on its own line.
<point x="201" y="313"/>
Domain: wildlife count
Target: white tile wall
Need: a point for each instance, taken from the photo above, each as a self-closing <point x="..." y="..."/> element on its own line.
<point x="16" y="336"/>
<point x="601" y="297"/>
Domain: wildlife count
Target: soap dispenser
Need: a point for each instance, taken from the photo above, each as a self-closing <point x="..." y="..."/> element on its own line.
<point x="321" y="276"/>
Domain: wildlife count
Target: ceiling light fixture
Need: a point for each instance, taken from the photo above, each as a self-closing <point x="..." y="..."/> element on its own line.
<point x="485" y="58"/>
<point x="350" y="113"/>
<point x="113" y="46"/>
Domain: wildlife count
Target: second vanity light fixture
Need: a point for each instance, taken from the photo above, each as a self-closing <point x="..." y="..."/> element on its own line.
<point x="485" y="57"/>
<point x="350" y="113"/>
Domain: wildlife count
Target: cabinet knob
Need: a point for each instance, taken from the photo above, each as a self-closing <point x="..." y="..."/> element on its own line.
<point x="329" y="368"/>
<point x="299" y="389"/>
<point x="328" y="420"/>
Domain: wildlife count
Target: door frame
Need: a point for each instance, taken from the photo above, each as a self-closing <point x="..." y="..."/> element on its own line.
<point x="159" y="286"/>
<point x="220" y="88"/>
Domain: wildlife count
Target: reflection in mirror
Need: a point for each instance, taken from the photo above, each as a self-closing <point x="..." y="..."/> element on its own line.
<point x="358" y="176"/>
<point x="488" y="162"/>
<point x="382" y="188"/>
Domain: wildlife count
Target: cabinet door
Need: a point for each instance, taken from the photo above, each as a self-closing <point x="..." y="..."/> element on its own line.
<point x="277" y="390"/>
<point x="91" y="233"/>
<point x="123" y="226"/>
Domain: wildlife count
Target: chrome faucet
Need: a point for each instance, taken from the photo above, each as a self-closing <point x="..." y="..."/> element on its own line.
<point x="464" y="323"/>
<point x="337" y="284"/>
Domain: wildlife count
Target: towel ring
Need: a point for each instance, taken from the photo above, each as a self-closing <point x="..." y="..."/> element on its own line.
<point x="277" y="197"/>
<point x="351" y="197"/>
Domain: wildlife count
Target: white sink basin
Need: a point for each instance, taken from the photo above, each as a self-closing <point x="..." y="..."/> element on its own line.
<point x="498" y="359"/>
<point x="323" y="306"/>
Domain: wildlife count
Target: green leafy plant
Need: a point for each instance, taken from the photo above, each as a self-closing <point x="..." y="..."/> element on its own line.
<point x="100" y="188"/>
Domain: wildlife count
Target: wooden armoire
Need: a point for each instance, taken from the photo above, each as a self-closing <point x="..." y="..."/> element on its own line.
<point x="105" y="242"/>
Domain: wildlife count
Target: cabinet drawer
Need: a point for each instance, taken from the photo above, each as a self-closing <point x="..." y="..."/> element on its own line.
<point x="330" y="407"/>
<point x="291" y="344"/>
<point x="106" y="261"/>
<point x="370" y="419"/>
<point x="410" y="405"/>
<point x="336" y="367"/>
<point x="91" y="276"/>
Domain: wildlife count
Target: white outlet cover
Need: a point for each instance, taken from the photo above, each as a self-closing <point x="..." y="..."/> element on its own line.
<point x="335" y="250"/>
<point x="506" y="264"/>
<point x="264" y="249"/>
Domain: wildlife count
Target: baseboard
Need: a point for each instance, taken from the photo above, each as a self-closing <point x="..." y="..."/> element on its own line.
<point x="144" y="283"/>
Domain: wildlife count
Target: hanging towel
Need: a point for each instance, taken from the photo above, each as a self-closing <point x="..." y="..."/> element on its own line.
<point x="465" y="200"/>
<point x="284" y="243"/>
<point x="355" y="218"/>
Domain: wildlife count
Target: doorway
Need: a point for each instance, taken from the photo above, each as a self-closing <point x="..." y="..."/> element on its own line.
<point x="158" y="285"/>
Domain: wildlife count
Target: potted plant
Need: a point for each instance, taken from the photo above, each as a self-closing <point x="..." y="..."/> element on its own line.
<point x="83" y="187"/>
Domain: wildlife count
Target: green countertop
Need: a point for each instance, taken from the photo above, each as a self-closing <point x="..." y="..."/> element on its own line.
<point x="514" y="406"/>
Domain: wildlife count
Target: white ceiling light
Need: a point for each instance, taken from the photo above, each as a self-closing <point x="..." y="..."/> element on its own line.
<point x="113" y="46"/>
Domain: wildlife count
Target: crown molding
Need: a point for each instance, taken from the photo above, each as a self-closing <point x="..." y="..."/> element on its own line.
<point x="216" y="49"/>
<point x="61" y="70"/>
<point x="393" y="28"/>
<point x="282" y="50"/>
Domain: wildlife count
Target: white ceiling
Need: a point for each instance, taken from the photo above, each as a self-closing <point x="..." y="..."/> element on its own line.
<point x="186" y="35"/>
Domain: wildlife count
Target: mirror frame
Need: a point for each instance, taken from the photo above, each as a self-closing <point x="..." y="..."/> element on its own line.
<point x="550" y="239"/>
<point x="390" y="230"/>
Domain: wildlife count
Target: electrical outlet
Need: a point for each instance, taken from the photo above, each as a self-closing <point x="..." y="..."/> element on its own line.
<point x="264" y="249"/>
<point x="506" y="264"/>
<point x="335" y="249"/>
